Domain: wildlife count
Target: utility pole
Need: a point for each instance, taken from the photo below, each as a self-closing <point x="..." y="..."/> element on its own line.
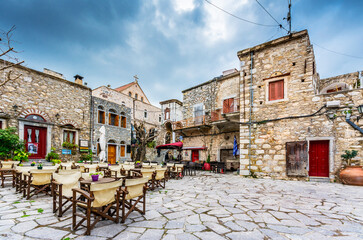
<point x="288" y="18"/>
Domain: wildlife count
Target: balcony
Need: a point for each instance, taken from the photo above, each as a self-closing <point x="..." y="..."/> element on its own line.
<point x="191" y="122"/>
<point x="230" y="109"/>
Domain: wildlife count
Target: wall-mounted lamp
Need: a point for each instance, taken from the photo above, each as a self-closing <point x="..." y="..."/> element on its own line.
<point x="57" y="115"/>
<point x="15" y="107"/>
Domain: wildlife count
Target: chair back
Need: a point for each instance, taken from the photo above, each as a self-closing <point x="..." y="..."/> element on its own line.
<point x="179" y="167"/>
<point x="129" y="163"/>
<point x="170" y="165"/>
<point x="41" y="177"/>
<point x="160" y="173"/>
<point x="71" y="171"/>
<point x="69" y="181"/>
<point x="104" y="165"/>
<point x="91" y="167"/>
<point x="127" y="167"/>
<point x="8" y="164"/>
<point x="66" y="165"/>
<point x="104" y="193"/>
<point x="114" y="167"/>
<point x="147" y="173"/>
<point x="153" y="164"/>
<point x="145" y="164"/>
<point x="135" y="187"/>
<point x="147" y="167"/>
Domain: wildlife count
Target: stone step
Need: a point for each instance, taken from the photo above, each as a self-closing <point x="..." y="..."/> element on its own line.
<point x="319" y="179"/>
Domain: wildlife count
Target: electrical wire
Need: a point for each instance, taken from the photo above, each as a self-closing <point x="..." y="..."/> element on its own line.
<point x="242" y="19"/>
<point x="279" y="24"/>
<point x="343" y="54"/>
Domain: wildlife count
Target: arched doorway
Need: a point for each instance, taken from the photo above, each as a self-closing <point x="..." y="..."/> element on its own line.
<point x="111" y="152"/>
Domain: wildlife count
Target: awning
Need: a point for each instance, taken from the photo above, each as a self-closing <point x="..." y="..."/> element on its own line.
<point x="176" y="145"/>
<point x="195" y="148"/>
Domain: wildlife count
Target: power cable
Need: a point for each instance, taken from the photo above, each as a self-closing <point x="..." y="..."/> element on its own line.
<point x="279" y="24"/>
<point x="242" y="19"/>
<point x="343" y="54"/>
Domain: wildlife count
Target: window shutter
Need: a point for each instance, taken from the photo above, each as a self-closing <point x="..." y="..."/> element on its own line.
<point x="225" y="106"/>
<point x="276" y="90"/>
<point x="109" y="119"/>
<point x="231" y="105"/>
<point x="296" y="158"/>
<point x="117" y="120"/>
<point x="280" y="89"/>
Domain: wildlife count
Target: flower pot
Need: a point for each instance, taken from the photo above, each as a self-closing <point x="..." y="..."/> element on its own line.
<point x="206" y="166"/>
<point x="94" y="178"/>
<point x="40" y="168"/>
<point x="352" y="175"/>
<point x="32" y="165"/>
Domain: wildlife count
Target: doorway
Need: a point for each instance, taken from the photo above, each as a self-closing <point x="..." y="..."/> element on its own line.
<point x="195" y="155"/>
<point x="319" y="158"/>
<point x="35" y="141"/>
<point x="111" y="154"/>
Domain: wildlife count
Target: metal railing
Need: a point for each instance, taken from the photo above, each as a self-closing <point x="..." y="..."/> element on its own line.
<point x="190" y="122"/>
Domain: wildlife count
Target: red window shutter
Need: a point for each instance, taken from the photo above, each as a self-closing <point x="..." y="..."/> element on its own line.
<point x="231" y="105"/>
<point x="276" y="90"/>
<point x="225" y="106"/>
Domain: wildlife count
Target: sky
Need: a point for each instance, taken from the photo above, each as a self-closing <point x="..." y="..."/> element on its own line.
<point x="172" y="45"/>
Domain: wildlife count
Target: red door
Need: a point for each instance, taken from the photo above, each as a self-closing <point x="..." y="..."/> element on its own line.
<point x="35" y="141"/>
<point x="195" y="155"/>
<point x="319" y="159"/>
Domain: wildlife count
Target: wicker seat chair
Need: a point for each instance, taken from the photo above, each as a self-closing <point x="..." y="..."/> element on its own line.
<point x="62" y="185"/>
<point x="38" y="181"/>
<point x="102" y="201"/>
<point x="132" y="194"/>
<point x="7" y="170"/>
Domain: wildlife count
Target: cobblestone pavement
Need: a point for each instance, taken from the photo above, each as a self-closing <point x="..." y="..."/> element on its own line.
<point x="207" y="206"/>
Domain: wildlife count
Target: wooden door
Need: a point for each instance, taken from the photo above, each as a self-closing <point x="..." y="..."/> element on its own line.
<point x="296" y="158"/>
<point x="319" y="158"/>
<point x="195" y="155"/>
<point x="35" y="141"/>
<point x="111" y="156"/>
<point x="123" y="151"/>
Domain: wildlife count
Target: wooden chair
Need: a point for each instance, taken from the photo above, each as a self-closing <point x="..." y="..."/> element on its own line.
<point x="7" y="170"/>
<point x="20" y="178"/>
<point x="149" y="174"/>
<point x="177" y="172"/>
<point x="102" y="201"/>
<point x="62" y="185"/>
<point x="170" y="167"/>
<point x="40" y="181"/>
<point x="133" y="193"/>
<point x="66" y="165"/>
<point x="92" y="168"/>
<point x="114" y="171"/>
<point x="159" y="177"/>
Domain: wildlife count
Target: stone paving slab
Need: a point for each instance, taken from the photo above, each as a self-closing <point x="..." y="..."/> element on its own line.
<point x="207" y="206"/>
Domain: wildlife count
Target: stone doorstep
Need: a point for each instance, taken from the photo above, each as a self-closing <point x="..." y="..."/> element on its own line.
<point x="319" y="179"/>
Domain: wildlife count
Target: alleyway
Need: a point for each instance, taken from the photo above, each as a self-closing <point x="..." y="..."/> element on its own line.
<point x="208" y="207"/>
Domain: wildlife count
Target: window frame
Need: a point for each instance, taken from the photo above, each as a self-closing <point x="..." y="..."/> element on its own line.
<point x="123" y="144"/>
<point x="267" y="89"/>
<point x="2" y="123"/>
<point x="101" y="109"/>
<point x="123" y="118"/>
<point x="68" y="129"/>
<point x="145" y="113"/>
<point x="113" y="113"/>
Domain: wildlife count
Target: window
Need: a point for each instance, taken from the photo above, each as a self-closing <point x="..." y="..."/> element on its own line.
<point x="123" y="120"/>
<point x="142" y="99"/>
<point x="159" y="118"/>
<point x="36" y="118"/>
<point x="229" y="105"/>
<point x="167" y="113"/>
<point x="2" y="124"/>
<point x="136" y="96"/>
<point x="101" y="115"/>
<point x="130" y="94"/>
<point x="296" y="158"/>
<point x="145" y="113"/>
<point x="123" y="149"/>
<point x="98" y="147"/>
<point x="69" y="136"/>
<point x="123" y="103"/>
<point x="198" y="113"/>
<point x="113" y="118"/>
<point x="276" y="90"/>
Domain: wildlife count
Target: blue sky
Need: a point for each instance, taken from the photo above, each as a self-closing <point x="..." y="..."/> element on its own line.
<point x="171" y="44"/>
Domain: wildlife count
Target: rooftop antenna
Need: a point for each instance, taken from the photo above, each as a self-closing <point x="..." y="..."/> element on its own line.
<point x="288" y="17"/>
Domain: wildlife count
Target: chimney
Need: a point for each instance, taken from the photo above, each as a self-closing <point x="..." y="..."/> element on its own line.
<point x="78" y="79"/>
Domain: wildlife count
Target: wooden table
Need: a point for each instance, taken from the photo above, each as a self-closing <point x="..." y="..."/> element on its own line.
<point x="100" y="180"/>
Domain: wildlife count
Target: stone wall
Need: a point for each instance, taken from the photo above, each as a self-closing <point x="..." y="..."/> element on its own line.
<point x="290" y="59"/>
<point x="58" y="101"/>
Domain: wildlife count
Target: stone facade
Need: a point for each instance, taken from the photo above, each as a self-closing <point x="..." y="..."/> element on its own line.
<point x="206" y="126"/>
<point x="120" y="135"/>
<point x="60" y="105"/>
<point x="263" y="145"/>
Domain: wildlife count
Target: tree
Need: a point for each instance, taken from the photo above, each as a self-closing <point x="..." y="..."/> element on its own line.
<point x="143" y="137"/>
<point x="9" y="143"/>
<point x="8" y="57"/>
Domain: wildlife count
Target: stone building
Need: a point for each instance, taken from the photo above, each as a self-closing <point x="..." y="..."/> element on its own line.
<point x="47" y="110"/>
<point x="131" y="96"/>
<point x="172" y="111"/>
<point x="204" y="128"/>
<point x="116" y="119"/>
<point x="293" y="124"/>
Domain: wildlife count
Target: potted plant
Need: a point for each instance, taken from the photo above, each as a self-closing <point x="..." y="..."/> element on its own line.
<point x="32" y="163"/>
<point x="352" y="175"/>
<point x="9" y="143"/>
<point x="95" y="176"/>
<point x="207" y="164"/>
<point x="40" y="165"/>
<point x="71" y="146"/>
<point x="52" y="155"/>
<point x="21" y="156"/>
<point x="56" y="161"/>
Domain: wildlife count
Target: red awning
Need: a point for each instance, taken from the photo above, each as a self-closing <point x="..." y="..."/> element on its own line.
<point x="194" y="148"/>
<point x="177" y="145"/>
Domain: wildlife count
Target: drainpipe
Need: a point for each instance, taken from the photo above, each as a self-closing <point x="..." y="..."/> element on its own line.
<point x="347" y="119"/>
<point x="250" y="120"/>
